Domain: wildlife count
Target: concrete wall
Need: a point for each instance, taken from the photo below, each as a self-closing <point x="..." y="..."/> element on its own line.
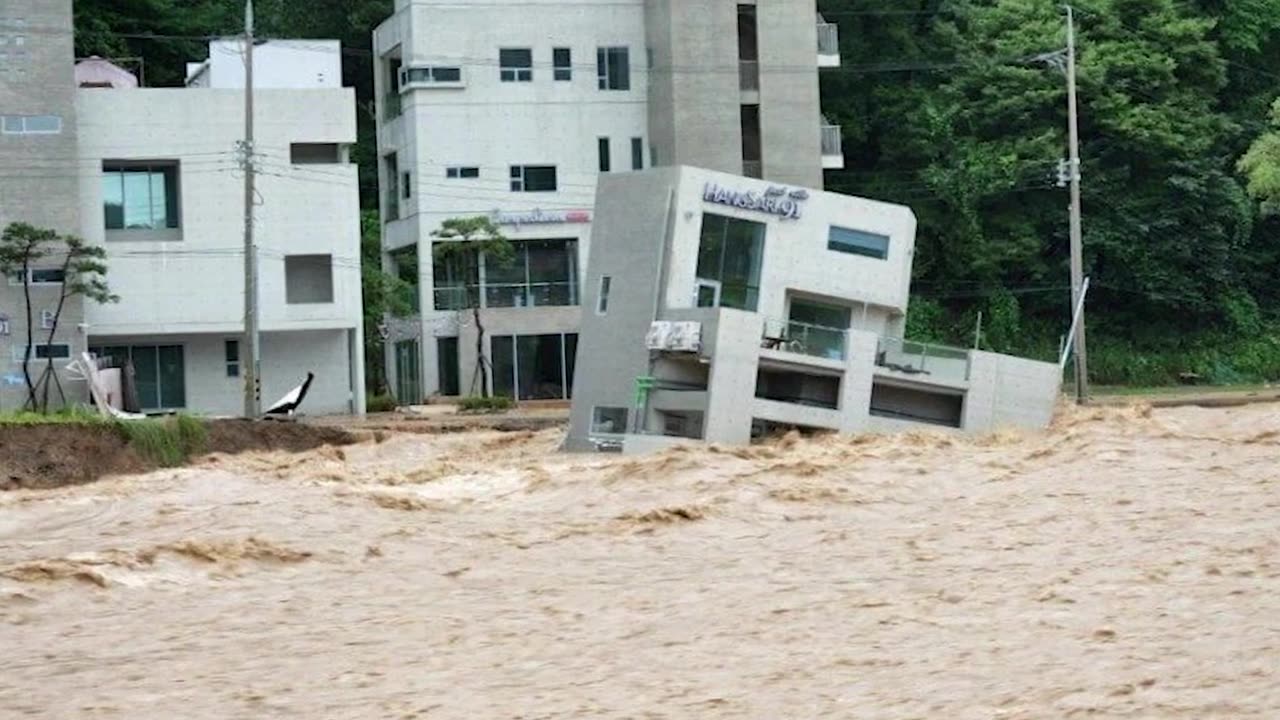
<point x="38" y="173"/>
<point x="1007" y="391"/>
<point x="286" y="358"/>
<point x="293" y="64"/>
<point x="630" y="241"/>
<point x="790" y="115"/>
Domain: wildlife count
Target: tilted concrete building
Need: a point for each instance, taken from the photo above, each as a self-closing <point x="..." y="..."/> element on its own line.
<point x="513" y="110"/>
<point x="721" y="306"/>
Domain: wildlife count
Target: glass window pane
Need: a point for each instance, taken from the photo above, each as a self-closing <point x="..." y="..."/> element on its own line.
<point x="146" y="372"/>
<point x="13" y="123"/>
<point x="540" y="364"/>
<point x="173" y="382"/>
<point x="171" y="196"/>
<point x="857" y="242"/>
<point x="137" y="199"/>
<point x="446" y="74"/>
<point x="550" y="271"/>
<point x="570" y="359"/>
<point x="711" y="245"/>
<point x="447" y="365"/>
<point x="159" y="208"/>
<point x="619" y="69"/>
<point x="504" y="365"/>
<point x="539" y="178"/>
<point x="637" y="153"/>
<point x="113" y="199"/>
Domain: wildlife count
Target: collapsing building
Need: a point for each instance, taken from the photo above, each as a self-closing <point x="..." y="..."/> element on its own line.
<point x="718" y="306"/>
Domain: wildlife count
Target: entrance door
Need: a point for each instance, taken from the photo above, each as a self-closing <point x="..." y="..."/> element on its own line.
<point x="408" y="372"/>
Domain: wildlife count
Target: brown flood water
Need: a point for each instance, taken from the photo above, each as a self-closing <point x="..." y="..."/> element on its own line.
<point x="1125" y="565"/>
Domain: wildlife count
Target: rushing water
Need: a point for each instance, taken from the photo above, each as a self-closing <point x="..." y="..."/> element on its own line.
<point x="1126" y="564"/>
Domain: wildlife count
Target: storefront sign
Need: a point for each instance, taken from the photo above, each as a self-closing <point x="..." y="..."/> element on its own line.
<point x="777" y="200"/>
<point x="539" y="217"/>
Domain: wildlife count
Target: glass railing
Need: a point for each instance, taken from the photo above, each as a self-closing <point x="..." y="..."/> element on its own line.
<point x="552" y="294"/>
<point x="748" y="74"/>
<point x="940" y="362"/>
<point x="804" y="339"/>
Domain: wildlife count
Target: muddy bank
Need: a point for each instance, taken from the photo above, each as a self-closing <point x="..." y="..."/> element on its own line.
<point x="48" y="456"/>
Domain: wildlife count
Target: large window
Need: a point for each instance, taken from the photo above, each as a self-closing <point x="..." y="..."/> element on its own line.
<point x="456" y="280"/>
<point x="562" y="61"/>
<point x="534" y="367"/>
<point x="308" y="279"/>
<point x="159" y="373"/>
<point x="533" y="178"/>
<point x="140" y="196"/>
<point x="613" y="68"/>
<point x="515" y="65"/>
<point x="541" y="273"/>
<point x="857" y="242"/>
<point x="447" y="366"/>
<point x="729" y="255"/>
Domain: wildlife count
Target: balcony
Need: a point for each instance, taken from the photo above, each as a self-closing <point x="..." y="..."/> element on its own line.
<point x="804" y="339"/>
<point x="749" y="75"/>
<point x="924" y="361"/>
<point x="828" y="43"/>
<point x="832" y="146"/>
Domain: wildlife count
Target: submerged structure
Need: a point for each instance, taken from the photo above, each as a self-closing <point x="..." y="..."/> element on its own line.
<point x="717" y="307"/>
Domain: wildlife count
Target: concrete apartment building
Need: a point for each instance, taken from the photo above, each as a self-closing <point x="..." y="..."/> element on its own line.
<point x="39" y="162"/>
<point x="161" y="189"/>
<point x="720" y="306"/>
<point x="513" y="111"/>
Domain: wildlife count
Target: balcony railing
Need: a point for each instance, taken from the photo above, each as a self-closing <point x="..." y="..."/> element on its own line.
<point x="550" y="294"/>
<point x="832" y="145"/>
<point x="934" y="362"/>
<point x="753" y="168"/>
<point x="804" y="339"/>
<point x="828" y="38"/>
<point x="748" y="74"/>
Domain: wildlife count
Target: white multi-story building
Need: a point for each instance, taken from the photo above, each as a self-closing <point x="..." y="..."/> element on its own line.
<point x="513" y="110"/>
<point x="161" y="189"/>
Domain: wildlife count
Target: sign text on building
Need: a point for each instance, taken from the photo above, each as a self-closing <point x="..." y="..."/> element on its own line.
<point x="539" y="217"/>
<point x="775" y="201"/>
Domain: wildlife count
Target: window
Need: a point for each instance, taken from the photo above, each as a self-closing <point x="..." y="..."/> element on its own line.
<point x="140" y="196"/>
<point x="602" y="300"/>
<point x="159" y="372"/>
<point x="391" y="196"/>
<point x="613" y="68"/>
<point x="637" y="153"/>
<point x="404" y="184"/>
<point x="729" y="256"/>
<point x="857" y="242"/>
<point x="533" y="178"/>
<point x="46" y="319"/>
<point x="43" y="351"/>
<point x="447" y="366"/>
<point x="462" y="172"/>
<point x="430" y="75"/>
<point x="315" y="153"/>
<point x="455" y="280"/>
<point x="562" y="61"/>
<point x="31" y="125"/>
<point x="39" y="276"/>
<point x="602" y="147"/>
<point x="231" y="354"/>
<point x="308" y="279"/>
<point x="609" y="420"/>
<point x="542" y="273"/>
<point x="4" y="325"/>
<point x="534" y="367"/>
<point x="515" y="65"/>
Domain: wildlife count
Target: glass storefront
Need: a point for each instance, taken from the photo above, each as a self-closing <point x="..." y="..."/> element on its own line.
<point x="534" y="367"/>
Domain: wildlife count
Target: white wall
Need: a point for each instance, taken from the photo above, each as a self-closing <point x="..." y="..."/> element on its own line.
<point x="795" y="250"/>
<point x="276" y="64"/>
<point x="196" y="283"/>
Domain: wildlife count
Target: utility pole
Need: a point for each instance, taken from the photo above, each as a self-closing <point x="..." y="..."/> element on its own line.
<point x="1073" y="169"/>
<point x="250" y="353"/>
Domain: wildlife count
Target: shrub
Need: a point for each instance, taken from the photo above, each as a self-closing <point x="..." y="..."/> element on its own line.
<point x="380" y="403"/>
<point x="167" y="442"/>
<point x="475" y="403"/>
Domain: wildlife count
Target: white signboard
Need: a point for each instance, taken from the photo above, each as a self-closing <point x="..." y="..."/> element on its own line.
<point x="539" y="217"/>
<point x="777" y="200"/>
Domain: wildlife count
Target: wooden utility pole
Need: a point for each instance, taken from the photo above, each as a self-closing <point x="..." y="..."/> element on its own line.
<point x="1073" y="170"/>
<point x="249" y="354"/>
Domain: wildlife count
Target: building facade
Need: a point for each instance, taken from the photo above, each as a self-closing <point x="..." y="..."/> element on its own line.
<point x="513" y="111"/>
<point x="161" y="189"/>
<point x="39" y="166"/>
<point x="720" y="307"/>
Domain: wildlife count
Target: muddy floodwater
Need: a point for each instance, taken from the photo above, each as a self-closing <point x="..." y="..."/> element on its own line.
<point x="1126" y="564"/>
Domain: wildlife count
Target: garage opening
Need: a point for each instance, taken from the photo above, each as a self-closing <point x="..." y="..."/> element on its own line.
<point x="916" y="405"/>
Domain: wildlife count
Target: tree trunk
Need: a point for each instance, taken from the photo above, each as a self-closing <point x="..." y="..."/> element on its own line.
<point x="50" y="372"/>
<point x="482" y="364"/>
<point x="26" y="356"/>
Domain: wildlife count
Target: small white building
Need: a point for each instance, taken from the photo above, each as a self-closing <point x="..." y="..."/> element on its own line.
<point x="161" y="188"/>
<point x="719" y="306"/>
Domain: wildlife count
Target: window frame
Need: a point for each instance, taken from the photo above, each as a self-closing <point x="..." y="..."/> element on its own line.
<point x="231" y="357"/>
<point x="517" y="72"/>
<point x="562" y="71"/>
<point x="602" y="295"/>
<point x="20" y="350"/>
<point x="637" y="153"/>
<point x="520" y="181"/>
<point x="608" y="58"/>
<point x="22" y="125"/>
<point x="847" y="248"/>
<point x="169" y="170"/>
<point x="429" y="76"/>
<point x="596" y="419"/>
<point x="602" y="152"/>
<point x="462" y="172"/>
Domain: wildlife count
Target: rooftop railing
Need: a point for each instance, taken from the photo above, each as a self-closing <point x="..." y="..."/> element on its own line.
<point x="804" y="339"/>
<point x="930" y="361"/>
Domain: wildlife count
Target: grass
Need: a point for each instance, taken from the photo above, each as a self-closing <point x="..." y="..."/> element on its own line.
<point x="1114" y="390"/>
<point x="475" y="403"/>
<point x="166" y="442"/>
